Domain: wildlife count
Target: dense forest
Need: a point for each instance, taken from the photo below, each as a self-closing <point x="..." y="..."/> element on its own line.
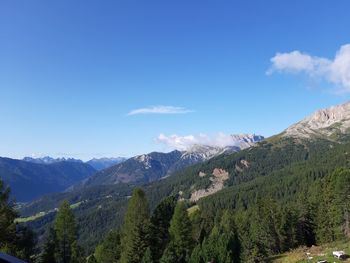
<point x="291" y="194"/>
<point x="174" y="233"/>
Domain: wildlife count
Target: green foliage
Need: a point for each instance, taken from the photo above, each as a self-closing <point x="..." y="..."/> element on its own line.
<point x="91" y="259"/>
<point x="16" y="240"/>
<point x="197" y="256"/>
<point x="286" y="193"/>
<point x="342" y="200"/>
<point x="147" y="257"/>
<point x="223" y="244"/>
<point x="50" y="248"/>
<point x="77" y="253"/>
<point x="133" y="239"/>
<point x="181" y="232"/>
<point x="65" y="229"/>
<point x="170" y="255"/>
<point x="8" y="215"/>
<point x="109" y="250"/>
<point x="158" y="234"/>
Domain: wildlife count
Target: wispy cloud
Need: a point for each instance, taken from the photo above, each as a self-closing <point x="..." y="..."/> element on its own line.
<point x="160" y="110"/>
<point x="335" y="71"/>
<point x="183" y="143"/>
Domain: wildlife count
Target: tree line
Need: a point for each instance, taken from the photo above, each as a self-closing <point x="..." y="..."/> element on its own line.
<point x="172" y="233"/>
<point x="252" y="234"/>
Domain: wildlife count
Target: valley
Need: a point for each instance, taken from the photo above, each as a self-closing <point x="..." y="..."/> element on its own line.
<point x="280" y="168"/>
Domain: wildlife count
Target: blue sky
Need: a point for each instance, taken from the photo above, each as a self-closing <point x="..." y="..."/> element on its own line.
<point x="72" y="71"/>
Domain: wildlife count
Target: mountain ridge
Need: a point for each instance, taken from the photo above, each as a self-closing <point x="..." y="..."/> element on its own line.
<point x="31" y="180"/>
<point x="97" y="163"/>
<point x="334" y="120"/>
<point x="278" y="167"/>
<point x="153" y="166"/>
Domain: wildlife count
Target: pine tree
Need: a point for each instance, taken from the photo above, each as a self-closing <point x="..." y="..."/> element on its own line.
<point x="230" y="243"/>
<point x="181" y="232"/>
<point x="66" y="233"/>
<point x="77" y="253"/>
<point x="222" y="244"/>
<point x="342" y="200"/>
<point x="288" y="229"/>
<point x="109" y="250"/>
<point x="196" y="256"/>
<point x="326" y="216"/>
<point x="24" y="242"/>
<point x="305" y="226"/>
<point x="91" y="259"/>
<point x="16" y="240"/>
<point x="49" y="252"/>
<point x="158" y="232"/>
<point x="170" y="254"/>
<point x="147" y="257"/>
<point x="265" y="226"/>
<point x="7" y="219"/>
<point x="133" y="240"/>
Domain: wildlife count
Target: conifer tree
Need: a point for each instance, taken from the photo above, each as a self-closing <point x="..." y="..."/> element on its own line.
<point x="109" y="250"/>
<point x="7" y="219"/>
<point x="91" y="259"/>
<point x="50" y="248"/>
<point x="15" y="240"/>
<point x="181" y="233"/>
<point x="288" y="229"/>
<point x="65" y="232"/>
<point x="77" y="253"/>
<point x="305" y="226"/>
<point x="196" y="256"/>
<point x="223" y="244"/>
<point x="170" y="255"/>
<point x="158" y="232"/>
<point x="342" y="200"/>
<point x="133" y="241"/>
<point x="147" y="257"/>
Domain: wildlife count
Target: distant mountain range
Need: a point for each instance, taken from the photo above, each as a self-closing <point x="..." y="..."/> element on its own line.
<point x="33" y="177"/>
<point x="154" y="166"/>
<point x="29" y="180"/>
<point x="97" y="163"/>
<point x="50" y="160"/>
<point x="283" y="167"/>
<point x="103" y="163"/>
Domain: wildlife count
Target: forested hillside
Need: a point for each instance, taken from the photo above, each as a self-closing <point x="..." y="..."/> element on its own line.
<point x="280" y="170"/>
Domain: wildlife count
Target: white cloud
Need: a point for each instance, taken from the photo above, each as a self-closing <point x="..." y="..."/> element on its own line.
<point x="335" y="71"/>
<point x="185" y="142"/>
<point x="160" y="110"/>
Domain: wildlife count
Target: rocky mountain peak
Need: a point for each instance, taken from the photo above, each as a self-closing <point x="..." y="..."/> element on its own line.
<point x="324" y="122"/>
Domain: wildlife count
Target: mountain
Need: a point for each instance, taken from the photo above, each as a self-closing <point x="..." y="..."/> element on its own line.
<point x="282" y="168"/>
<point x="325" y="123"/>
<point x="97" y="163"/>
<point x="30" y="180"/>
<point x="50" y="160"/>
<point x="103" y="163"/>
<point x="142" y="168"/>
<point x="154" y="166"/>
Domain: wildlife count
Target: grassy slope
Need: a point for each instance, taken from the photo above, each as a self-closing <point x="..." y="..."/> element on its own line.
<point x="316" y="252"/>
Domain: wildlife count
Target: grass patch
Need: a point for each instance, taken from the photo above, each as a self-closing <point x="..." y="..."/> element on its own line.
<point x="41" y="214"/>
<point x="192" y="209"/>
<point x="313" y="254"/>
<point x="30" y="218"/>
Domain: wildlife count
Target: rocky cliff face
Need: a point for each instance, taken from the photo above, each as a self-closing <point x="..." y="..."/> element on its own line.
<point x="323" y="123"/>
